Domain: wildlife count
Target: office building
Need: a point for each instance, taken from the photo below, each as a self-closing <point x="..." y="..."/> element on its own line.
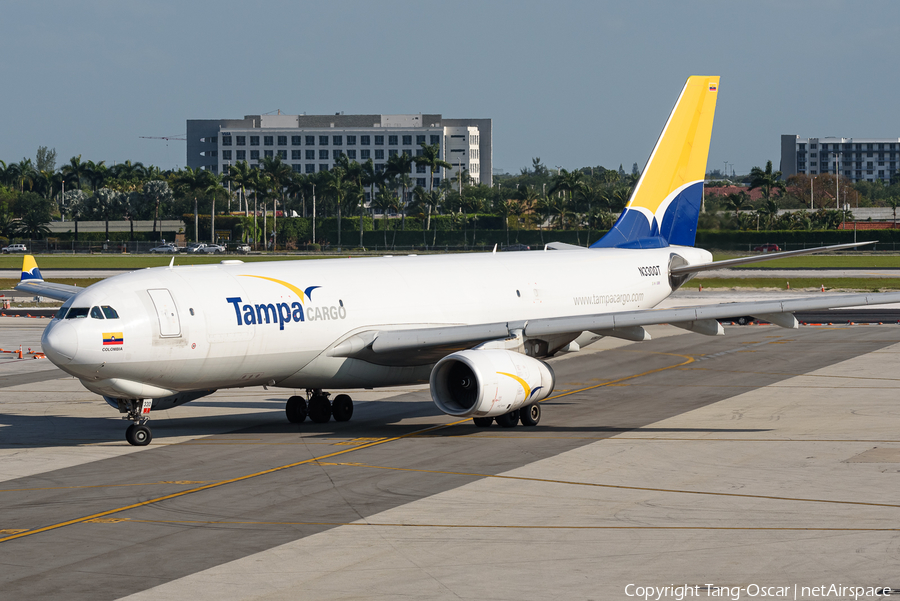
<point x="312" y="143"/>
<point x="857" y="159"/>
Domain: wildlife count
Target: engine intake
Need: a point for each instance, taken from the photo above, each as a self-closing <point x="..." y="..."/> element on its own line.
<point x="489" y="382"/>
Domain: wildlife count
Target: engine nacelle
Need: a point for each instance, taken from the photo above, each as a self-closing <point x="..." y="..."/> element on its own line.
<point x="489" y="382"/>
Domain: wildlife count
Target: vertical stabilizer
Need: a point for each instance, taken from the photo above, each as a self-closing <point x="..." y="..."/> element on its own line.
<point x="30" y="271"/>
<point x="665" y="204"/>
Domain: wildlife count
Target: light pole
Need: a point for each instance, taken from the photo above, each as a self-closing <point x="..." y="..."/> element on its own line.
<point x="837" y="177"/>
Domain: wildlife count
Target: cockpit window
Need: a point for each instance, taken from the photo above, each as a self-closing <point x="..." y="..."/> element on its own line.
<point x="109" y="312"/>
<point x="61" y="314"/>
<point x="77" y="312"/>
<point x="96" y="313"/>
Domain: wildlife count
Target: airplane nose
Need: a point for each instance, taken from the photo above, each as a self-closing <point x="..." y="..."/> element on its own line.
<point x="60" y="342"/>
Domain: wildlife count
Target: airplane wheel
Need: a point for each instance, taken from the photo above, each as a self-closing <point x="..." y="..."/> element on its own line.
<point x="342" y="408"/>
<point x="531" y="415"/>
<point x="508" y="420"/>
<point x="483" y="422"/>
<point x="296" y="409"/>
<point x="139" y="436"/>
<point x="319" y="409"/>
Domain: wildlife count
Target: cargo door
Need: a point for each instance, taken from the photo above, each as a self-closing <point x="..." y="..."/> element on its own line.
<point x="169" y="324"/>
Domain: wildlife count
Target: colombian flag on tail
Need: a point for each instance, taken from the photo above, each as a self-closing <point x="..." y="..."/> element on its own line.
<point x="665" y="204"/>
<point x="113" y="338"/>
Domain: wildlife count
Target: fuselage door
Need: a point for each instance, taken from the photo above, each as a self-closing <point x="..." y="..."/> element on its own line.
<point x="169" y="324"/>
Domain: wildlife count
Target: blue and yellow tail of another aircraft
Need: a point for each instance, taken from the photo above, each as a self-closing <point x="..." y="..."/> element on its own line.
<point x="665" y="205"/>
<point x="30" y="271"/>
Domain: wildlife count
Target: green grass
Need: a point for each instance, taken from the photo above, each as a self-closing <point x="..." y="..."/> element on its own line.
<point x="853" y="261"/>
<point x="864" y="284"/>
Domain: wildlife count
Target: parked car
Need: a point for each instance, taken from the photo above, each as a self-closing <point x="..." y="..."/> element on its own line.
<point x="211" y="249"/>
<point x="165" y="248"/>
<point x="239" y="248"/>
<point x="767" y="248"/>
<point x="15" y="248"/>
<point x="194" y="247"/>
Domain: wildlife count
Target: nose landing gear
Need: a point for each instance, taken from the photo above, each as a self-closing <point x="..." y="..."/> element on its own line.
<point x="138" y="411"/>
<point x="318" y="408"/>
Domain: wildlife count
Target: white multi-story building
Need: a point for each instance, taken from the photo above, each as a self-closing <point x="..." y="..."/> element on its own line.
<point x="312" y="143"/>
<point x="857" y="159"/>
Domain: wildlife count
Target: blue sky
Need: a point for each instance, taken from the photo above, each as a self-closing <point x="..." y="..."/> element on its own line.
<point x="577" y="83"/>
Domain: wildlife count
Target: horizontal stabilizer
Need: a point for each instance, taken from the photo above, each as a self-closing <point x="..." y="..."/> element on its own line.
<point x="760" y="258"/>
<point x="33" y="283"/>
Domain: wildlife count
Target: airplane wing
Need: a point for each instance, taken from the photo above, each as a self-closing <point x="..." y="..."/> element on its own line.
<point x="32" y="282"/>
<point x="421" y="345"/>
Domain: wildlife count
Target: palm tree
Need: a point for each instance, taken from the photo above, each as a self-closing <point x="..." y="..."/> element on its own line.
<point x="567" y="182"/>
<point x="33" y="224"/>
<point x="106" y="203"/>
<point x="214" y="190"/>
<point x="405" y="182"/>
<point x="8" y="223"/>
<point x="239" y="174"/>
<point x="737" y="202"/>
<point x="193" y="182"/>
<point x="75" y="202"/>
<point x="588" y="196"/>
<point x="128" y="174"/>
<point x="561" y="208"/>
<point x="431" y="158"/>
<point x="259" y="183"/>
<point x="893" y="202"/>
<point x="76" y="170"/>
<point x="385" y="201"/>
<point x="427" y="201"/>
<point x="767" y="180"/>
<point x="398" y="167"/>
<point x="157" y="191"/>
<point x="506" y="208"/>
<point x="354" y="174"/>
<point x="337" y="187"/>
<point x="22" y="173"/>
<point x="280" y="175"/>
<point x="96" y="174"/>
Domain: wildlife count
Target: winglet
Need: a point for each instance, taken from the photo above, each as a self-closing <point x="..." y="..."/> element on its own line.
<point x="30" y="271"/>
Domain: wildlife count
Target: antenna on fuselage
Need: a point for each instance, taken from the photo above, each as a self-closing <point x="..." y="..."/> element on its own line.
<point x="172" y="263"/>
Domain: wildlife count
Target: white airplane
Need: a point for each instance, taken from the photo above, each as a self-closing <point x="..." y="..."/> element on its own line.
<point x="476" y="326"/>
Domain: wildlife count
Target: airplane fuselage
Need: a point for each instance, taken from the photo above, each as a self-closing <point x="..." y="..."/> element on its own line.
<point x="247" y="324"/>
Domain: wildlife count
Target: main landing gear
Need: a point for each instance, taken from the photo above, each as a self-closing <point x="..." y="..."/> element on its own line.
<point x="138" y="411"/>
<point x="527" y="416"/>
<point x="318" y="408"/>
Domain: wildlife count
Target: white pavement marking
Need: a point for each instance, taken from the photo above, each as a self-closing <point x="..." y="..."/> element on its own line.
<point x="788" y="440"/>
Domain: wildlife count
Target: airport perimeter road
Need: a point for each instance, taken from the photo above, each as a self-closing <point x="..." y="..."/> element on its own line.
<point x="767" y="457"/>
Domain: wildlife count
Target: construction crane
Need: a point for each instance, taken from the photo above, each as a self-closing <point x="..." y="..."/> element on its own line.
<point x="180" y="137"/>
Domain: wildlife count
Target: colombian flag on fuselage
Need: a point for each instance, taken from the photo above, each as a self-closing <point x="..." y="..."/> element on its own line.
<point x="113" y="338"/>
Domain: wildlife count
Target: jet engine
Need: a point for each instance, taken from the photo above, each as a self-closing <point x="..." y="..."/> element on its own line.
<point x="489" y="382"/>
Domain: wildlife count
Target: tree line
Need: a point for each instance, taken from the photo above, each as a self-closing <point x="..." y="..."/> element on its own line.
<point x="32" y="193"/>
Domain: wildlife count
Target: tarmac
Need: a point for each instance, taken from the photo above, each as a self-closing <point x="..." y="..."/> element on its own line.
<point x="764" y="458"/>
